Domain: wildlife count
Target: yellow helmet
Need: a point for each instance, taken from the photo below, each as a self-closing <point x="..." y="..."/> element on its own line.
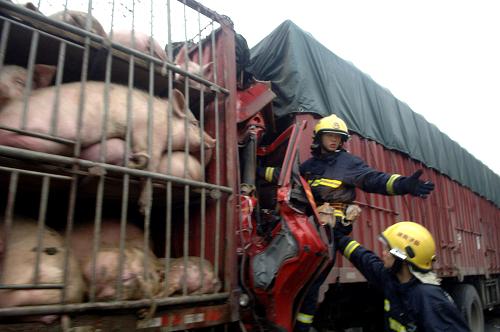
<point x="411" y="242"/>
<point x="332" y="124"/>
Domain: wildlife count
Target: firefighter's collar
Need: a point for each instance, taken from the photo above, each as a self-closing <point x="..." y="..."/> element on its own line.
<point x="329" y="155"/>
<point x="430" y="277"/>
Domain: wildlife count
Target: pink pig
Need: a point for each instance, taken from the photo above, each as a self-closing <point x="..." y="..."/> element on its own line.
<point x="41" y="101"/>
<point x="13" y="80"/>
<point x="143" y="43"/>
<point x="134" y="282"/>
<point x="19" y="267"/>
<point x="79" y="20"/>
<point x="192" y="68"/>
<point x="115" y="153"/>
<point x="191" y="274"/>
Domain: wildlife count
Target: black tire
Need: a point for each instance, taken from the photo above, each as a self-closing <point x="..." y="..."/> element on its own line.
<point x="469" y="304"/>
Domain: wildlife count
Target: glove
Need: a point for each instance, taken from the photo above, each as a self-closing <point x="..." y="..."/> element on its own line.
<point x="340" y="230"/>
<point x="326" y="214"/>
<point x="412" y="185"/>
<point x="352" y="212"/>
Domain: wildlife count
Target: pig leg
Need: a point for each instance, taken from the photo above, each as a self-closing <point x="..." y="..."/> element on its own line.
<point x="140" y="159"/>
<point x="147" y="313"/>
<point x="159" y="145"/>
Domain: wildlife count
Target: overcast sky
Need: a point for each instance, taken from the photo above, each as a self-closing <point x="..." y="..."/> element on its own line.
<point x="441" y="57"/>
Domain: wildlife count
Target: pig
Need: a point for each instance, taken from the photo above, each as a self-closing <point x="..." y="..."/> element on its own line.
<point x="79" y="20"/>
<point x="143" y="43"/>
<point x="191" y="170"/>
<point x="41" y="101"/>
<point x="177" y="275"/>
<point x="191" y="67"/>
<point x="13" y="80"/>
<point x="82" y="237"/>
<point x="19" y="267"/>
<point x="135" y="285"/>
<point x="115" y="150"/>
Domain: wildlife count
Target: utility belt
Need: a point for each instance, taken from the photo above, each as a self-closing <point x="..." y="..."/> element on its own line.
<point x="330" y="213"/>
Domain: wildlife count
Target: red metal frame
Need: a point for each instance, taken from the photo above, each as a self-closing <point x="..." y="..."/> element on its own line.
<point x="281" y="301"/>
<point x="254" y="99"/>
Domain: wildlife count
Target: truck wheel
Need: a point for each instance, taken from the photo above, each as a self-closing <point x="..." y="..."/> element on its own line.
<point x="469" y="304"/>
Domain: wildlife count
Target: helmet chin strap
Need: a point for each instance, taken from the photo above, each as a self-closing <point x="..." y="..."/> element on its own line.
<point x="396" y="267"/>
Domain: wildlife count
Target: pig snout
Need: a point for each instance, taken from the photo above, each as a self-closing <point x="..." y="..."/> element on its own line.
<point x="19" y="267"/>
<point x="143" y="43"/>
<point x="195" y="142"/>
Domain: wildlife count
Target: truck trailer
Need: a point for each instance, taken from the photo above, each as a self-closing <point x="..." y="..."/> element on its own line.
<point x="110" y="235"/>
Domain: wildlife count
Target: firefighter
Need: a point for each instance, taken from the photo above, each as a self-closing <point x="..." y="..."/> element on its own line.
<point x="414" y="301"/>
<point x="333" y="174"/>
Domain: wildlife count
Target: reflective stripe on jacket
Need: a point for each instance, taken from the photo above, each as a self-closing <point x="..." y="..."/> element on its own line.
<point x="334" y="177"/>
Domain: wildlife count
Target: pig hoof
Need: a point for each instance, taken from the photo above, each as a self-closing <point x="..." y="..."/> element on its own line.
<point x="139" y="160"/>
<point x="48" y="319"/>
<point x="145" y="200"/>
<point x="147" y="313"/>
<point x="142" y="313"/>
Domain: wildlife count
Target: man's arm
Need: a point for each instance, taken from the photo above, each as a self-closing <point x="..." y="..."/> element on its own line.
<point x="368" y="263"/>
<point x="373" y="181"/>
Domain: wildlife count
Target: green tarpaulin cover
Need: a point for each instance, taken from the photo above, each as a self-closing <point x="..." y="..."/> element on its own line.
<point x="307" y="77"/>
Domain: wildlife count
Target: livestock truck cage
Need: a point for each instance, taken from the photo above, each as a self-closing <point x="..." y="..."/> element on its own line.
<point x="182" y="217"/>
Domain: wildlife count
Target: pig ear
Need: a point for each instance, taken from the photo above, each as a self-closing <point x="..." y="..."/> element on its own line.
<point x="180" y="58"/>
<point x="206" y="69"/>
<point x="157" y="50"/>
<point x="179" y="103"/>
<point x="44" y="75"/>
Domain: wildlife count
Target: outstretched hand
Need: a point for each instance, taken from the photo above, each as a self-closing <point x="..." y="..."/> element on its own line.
<point x="416" y="187"/>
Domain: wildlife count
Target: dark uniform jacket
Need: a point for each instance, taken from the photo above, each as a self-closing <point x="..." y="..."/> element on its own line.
<point x="412" y="306"/>
<point x="333" y="177"/>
